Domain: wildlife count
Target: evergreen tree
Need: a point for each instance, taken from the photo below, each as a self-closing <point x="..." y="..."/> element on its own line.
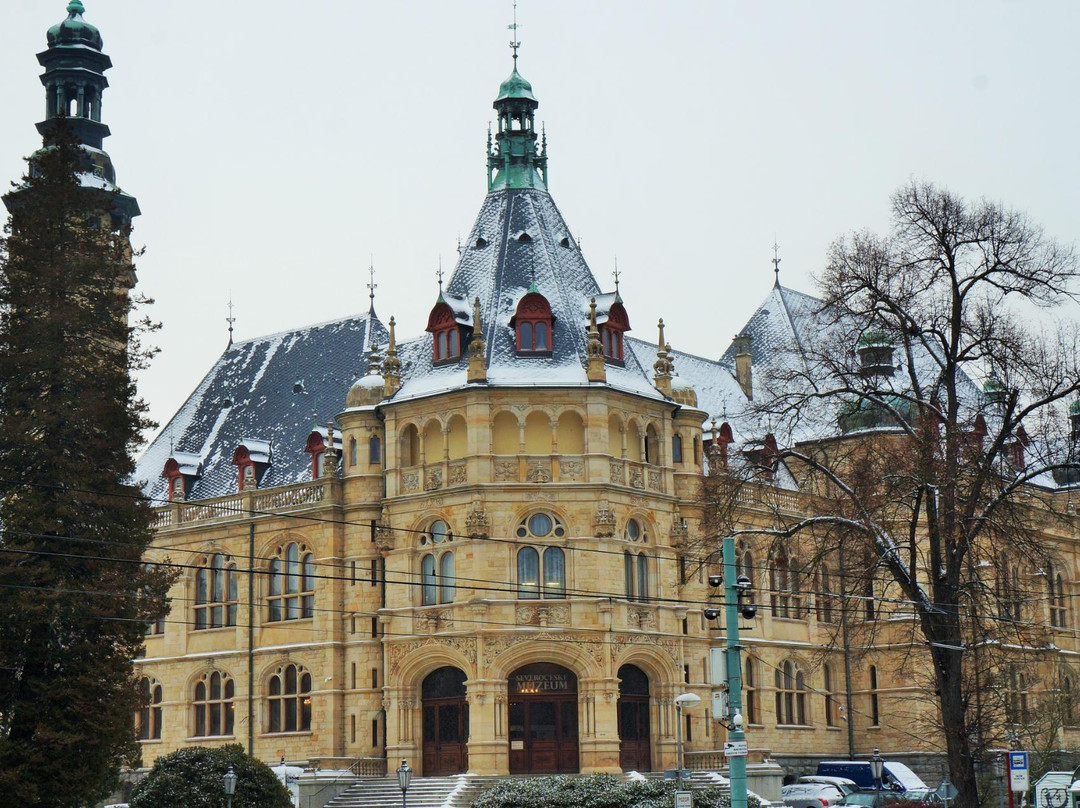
<point x="192" y="778"/>
<point x="75" y="595"/>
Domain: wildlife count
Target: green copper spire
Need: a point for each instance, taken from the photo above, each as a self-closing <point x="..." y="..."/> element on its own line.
<point x="515" y="161"/>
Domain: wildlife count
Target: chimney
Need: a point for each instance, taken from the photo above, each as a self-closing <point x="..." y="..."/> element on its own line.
<point x="744" y="373"/>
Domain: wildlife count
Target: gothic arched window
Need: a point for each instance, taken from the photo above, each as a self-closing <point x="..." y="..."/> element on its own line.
<point x="289" y="700"/>
<point x="213" y="704"/>
<point x="148" y="719"/>
<point x="292" y="584"/>
<point x="216" y="593"/>
<point x="533" y="324"/>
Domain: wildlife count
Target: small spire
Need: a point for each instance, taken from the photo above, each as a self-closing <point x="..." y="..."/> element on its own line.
<point x="439" y="275"/>
<point x="392" y="345"/>
<point x="230" y="319"/>
<point x="595" y="366"/>
<point x="660" y="341"/>
<point x="372" y="286"/>
<point x="776" y="261"/>
<point x="477" y="348"/>
<point x="514" y="43"/>
<point x="616" y="274"/>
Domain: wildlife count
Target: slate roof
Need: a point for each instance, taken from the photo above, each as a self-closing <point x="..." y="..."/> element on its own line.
<point x="258" y="376"/>
<point x="520" y="238"/>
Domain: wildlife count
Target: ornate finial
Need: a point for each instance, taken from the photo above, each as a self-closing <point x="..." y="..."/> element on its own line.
<point x="171" y="445"/>
<point x="371" y="285"/>
<point x="230" y="319"/>
<point x="392" y="346"/>
<point x="543" y="138"/>
<point x="663" y="365"/>
<point x="595" y="365"/>
<point x="616" y="274"/>
<point x="713" y="430"/>
<point x="776" y="260"/>
<point x="439" y="275"/>
<point x="514" y="43"/>
<point x="660" y="325"/>
<point x="477" y="371"/>
<point x="75" y="7"/>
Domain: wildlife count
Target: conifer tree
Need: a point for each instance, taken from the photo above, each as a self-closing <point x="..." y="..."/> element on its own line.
<point x="75" y="594"/>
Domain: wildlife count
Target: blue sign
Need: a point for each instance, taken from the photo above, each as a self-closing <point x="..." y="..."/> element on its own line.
<point x="1018" y="760"/>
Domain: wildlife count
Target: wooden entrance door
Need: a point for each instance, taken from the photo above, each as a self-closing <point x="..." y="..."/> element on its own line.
<point x="446" y="723"/>
<point x="543" y="725"/>
<point x="634" y="740"/>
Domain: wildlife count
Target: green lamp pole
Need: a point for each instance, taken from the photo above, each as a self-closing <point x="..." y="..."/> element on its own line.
<point x="733" y="587"/>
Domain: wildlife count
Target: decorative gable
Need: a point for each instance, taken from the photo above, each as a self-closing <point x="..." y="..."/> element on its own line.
<point x="532" y="323"/>
<point x="445" y="326"/>
<point x="252" y="458"/>
<point x="181" y="470"/>
<point x="323" y="456"/>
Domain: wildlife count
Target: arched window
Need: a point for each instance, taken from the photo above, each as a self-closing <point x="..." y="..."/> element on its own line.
<point x="352" y="451"/>
<point x="1066" y="697"/>
<point x="831" y="711"/>
<point x="1016" y="695"/>
<point x="744" y="562"/>
<point x="652" y="445"/>
<point x="528" y="573"/>
<point x="213" y="705"/>
<point x="445" y="334"/>
<point x="635" y="531"/>
<point x="289" y="700"/>
<point x="790" y="695"/>
<point x="786" y="597"/>
<point x="554" y="573"/>
<point x="827" y="606"/>
<point x="410" y="446"/>
<point x="751" y="713"/>
<point x="1055" y="588"/>
<point x="216" y="593"/>
<point x="292" y="584"/>
<point x="676" y="448"/>
<point x="612" y="330"/>
<point x="532" y="324"/>
<point x="148" y="719"/>
<point x="875" y="705"/>
<point x="428" y="580"/>
<point x="628" y="574"/>
<point x="374" y="450"/>
<point x="642" y="577"/>
<point x="446" y="577"/>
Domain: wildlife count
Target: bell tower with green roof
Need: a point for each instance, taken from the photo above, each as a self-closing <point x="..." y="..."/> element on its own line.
<point x="75" y="82"/>
<point x="515" y="161"/>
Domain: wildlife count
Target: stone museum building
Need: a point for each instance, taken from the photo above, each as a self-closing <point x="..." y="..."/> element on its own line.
<point x="479" y="547"/>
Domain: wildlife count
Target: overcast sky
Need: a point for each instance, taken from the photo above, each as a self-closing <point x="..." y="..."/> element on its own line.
<point x="275" y="146"/>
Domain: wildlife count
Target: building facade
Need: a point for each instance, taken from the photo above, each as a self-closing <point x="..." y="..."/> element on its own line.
<point x="481" y="549"/>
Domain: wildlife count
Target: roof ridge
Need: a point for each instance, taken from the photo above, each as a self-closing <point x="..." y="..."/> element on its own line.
<point x="367" y="315"/>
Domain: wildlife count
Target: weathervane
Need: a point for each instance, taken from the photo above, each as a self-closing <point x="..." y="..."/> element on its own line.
<point x="616" y="274"/>
<point x="439" y="274"/>
<point x="514" y="43"/>
<point x="371" y="285"/>
<point x="776" y="260"/>
<point x="230" y="319"/>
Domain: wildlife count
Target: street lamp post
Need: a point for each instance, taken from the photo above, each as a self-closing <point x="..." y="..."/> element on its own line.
<point x="229" y="783"/>
<point x="404" y="777"/>
<point x="687" y="700"/>
<point x="877" y="766"/>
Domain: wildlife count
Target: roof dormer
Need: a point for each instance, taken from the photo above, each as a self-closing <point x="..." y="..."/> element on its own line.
<point x="182" y="469"/>
<point x="324" y="452"/>
<point x="252" y="458"/>
<point x="448" y="324"/>
<point x="613" y="322"/>
<point x="532" y="323"/>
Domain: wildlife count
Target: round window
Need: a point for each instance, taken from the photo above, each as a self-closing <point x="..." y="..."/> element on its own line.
<point x="439" y="531"/>
<point x="633" y="530"/>
<point x="540" y="524"/>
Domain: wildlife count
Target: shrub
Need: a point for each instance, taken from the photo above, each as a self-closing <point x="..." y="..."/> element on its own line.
<point x="596" y="791"/>
<point x="191" y="778"/>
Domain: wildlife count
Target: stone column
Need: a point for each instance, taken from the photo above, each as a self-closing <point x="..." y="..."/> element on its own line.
<point x="598" y="723"/>
<point x="488" y="751"/>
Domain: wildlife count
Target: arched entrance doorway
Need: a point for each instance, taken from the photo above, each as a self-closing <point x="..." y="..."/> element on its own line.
<point x="543" y="719"/>
<point x="446" y="722"/>
<point x="634" y="720"/>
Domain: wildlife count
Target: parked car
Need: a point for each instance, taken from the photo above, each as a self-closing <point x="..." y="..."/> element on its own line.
<point x="895" y="776"/>
<point x="864" y="799"/>
<point x="811" y="795"/>
<point x="845" y="785"/>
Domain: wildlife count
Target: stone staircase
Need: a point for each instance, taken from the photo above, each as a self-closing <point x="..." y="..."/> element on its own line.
<point x="455" y="791"/>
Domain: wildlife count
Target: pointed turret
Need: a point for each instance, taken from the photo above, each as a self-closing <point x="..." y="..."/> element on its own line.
<point x="75" y="82"/>
<point x="391" y="366"/>
<point x="663" y="364"/>
<point x="515" y="161"/>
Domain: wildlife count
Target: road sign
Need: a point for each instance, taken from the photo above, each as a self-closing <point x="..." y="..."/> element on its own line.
<point x="1018" y="771"/>
<point x="684" y="799"/>
<point x="734" y="748"/>
<point x="946" y="792"/>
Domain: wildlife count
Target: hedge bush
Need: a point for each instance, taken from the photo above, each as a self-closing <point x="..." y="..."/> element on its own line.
<point x="192" y="778"/>
<point x="597" y="791"/>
